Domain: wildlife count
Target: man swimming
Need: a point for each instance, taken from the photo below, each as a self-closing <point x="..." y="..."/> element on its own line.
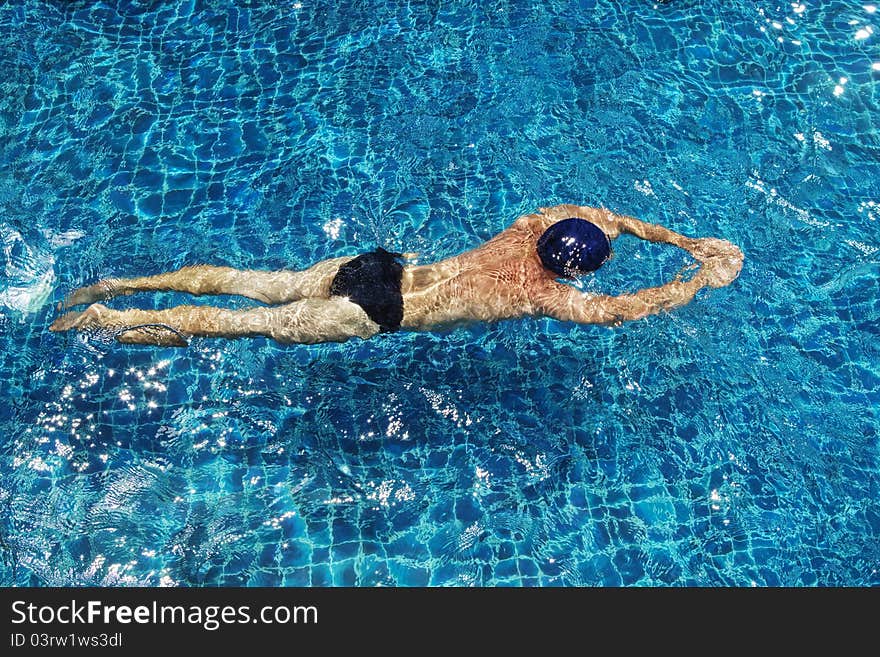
<point x="512" y="275"/>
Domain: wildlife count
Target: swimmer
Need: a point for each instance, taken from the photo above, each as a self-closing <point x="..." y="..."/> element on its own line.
<point x="515" y="274"/>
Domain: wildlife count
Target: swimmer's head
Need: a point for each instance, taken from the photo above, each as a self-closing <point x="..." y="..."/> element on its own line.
<point x="573" y="247"/>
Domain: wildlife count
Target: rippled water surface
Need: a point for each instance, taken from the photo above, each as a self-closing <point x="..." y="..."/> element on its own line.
<point x="731" y="442"/>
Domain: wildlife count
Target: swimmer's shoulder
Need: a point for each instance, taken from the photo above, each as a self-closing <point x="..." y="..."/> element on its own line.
<point x="602" y="217"/>
<point x="545" y="217"/>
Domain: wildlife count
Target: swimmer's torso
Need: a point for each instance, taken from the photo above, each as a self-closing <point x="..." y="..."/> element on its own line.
<point x="502" y="278"/>
<point x="495" y="281"/>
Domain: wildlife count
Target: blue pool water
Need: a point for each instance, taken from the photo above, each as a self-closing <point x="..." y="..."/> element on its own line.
<point x="730" y="442"/>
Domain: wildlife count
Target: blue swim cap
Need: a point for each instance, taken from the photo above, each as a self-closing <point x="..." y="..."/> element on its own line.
<point x="573" y="247"/>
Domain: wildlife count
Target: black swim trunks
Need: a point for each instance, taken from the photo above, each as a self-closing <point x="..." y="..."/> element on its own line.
<point x="372" y="281"/>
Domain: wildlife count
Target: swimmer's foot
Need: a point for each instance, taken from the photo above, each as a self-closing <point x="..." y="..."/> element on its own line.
<point x="91" y="316"/>
<point x="98" y="316"/>
<point x="100" y="291"/>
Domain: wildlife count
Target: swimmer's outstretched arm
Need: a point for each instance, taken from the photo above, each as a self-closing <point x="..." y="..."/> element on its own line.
<point x="308" y="321"/>
<point x="613" y="225"/>
<point x="281" y="286"/>
<point x="720" y="264"/>
<point x="567" y="304"/>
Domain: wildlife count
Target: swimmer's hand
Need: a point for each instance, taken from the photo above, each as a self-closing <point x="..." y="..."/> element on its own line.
<point x="720" y="261"/>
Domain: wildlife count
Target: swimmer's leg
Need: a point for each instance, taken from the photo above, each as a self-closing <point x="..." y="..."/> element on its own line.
<point x="308" y="321"/>
<point x="281" y="286"/>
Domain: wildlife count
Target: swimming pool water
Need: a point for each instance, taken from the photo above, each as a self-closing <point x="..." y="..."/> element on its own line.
<point x="731" y="442"/>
